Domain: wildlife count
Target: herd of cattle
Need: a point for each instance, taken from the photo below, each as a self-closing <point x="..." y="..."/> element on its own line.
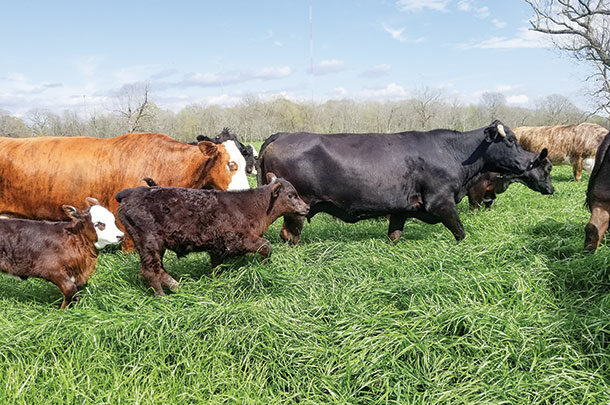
<point x="197" y="196"/>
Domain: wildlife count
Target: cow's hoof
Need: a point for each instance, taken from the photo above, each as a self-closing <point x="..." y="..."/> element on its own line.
<point x="285" y="235"/>
<point x="394" y="235"/>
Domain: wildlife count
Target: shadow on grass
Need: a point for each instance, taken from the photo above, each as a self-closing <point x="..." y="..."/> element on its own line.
<point x="324" y="228"/>
<point x="31" y="291"/>
<point x="580" y="282"/>
<point x="556" y="240"/>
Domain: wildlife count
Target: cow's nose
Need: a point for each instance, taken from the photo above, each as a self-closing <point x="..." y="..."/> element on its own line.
<point x="120" y="238"/>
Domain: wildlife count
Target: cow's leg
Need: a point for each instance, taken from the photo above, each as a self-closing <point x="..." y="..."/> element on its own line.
<point x="597" y="227"/>
<point x="151" y="269"/>
<point x="397" y="223"/>
<point x="489" y="198"/>
<point x="577" y="168"/>
<point x="447" y="212"/>
<point x="127" y="245"/>
<point x="292" y="227"/>
<point x="475" y="196"/>
<point x="66" y="285"/>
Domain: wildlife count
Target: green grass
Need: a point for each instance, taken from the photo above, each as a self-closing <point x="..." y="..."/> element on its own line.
<point x="516" y="313"/>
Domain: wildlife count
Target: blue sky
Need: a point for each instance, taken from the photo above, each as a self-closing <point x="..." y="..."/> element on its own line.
<point x="77" y="54"/>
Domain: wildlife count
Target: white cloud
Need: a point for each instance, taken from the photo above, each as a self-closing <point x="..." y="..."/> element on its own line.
<point x="498" y="23"/>
<point x="328" y="66"/>
<point x="468" y="5"/>
<point x="397" y="34"/>
<point x="377" y="70"/>
<point x="417" y="5"/>
<point x="518" y="99"/>
<point x="272" y="73"/>
<point x="392" y="91"/>
<point x="524" y="39"/>
<point x="338" y="92"/>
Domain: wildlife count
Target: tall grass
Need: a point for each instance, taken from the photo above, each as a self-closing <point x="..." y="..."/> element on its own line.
<point x="516" y="313"/>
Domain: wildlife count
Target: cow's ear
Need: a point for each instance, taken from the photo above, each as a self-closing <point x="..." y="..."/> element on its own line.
<point x="494" y="131"/>
<point x="543" y="154"/>
<point x="91" y="201"/>
<point x="271" y="177"/>
<point x="208" y="148"/>
<point x="71" y="212"/>
<point x="275" y="190"/>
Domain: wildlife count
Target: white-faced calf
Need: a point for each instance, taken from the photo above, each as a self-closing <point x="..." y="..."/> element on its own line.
<point x="185" y="220"/>
<point x="64" y="253"/>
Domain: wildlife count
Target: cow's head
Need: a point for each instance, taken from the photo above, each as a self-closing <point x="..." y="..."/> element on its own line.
<point x="538" y="174"/>
<point x="284" y="198"/>
<point x="96" y="222"/>
<point x="502" y="151"/>
<point x="225" y="168"/>
<point x="248" y="152"/>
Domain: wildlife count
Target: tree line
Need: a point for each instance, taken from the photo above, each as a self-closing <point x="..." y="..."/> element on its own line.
<point x="254" y="119"/>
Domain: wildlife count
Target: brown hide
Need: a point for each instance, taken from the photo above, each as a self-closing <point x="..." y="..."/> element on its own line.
<point x="573" y="142"/>
<point x="38" y="175"/>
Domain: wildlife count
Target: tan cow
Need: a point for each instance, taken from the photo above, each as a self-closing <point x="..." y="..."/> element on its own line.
<point x="567" y="144"/>
<point x="39" y="175"/>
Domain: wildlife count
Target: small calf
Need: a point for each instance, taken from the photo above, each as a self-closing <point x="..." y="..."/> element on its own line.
<point x="64" y="253"/>
<point x="223" y="223"/>
<point x="537" y="177"/>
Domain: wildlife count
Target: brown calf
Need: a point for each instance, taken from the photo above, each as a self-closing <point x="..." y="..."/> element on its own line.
<point x="223" y="223"/>
<point x="598" y="197"/>
<point x="572" y="144"/>
<point x="64" y="253"/>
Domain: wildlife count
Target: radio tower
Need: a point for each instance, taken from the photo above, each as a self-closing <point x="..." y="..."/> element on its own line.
<point x="311" y="49"/>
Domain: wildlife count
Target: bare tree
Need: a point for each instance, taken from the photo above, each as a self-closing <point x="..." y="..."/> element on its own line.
<point x="134" y="106"/>
<point x="425" y="102"/>
<point x="493" y="103"/>
<point x="582" y="28"/>
<point x="558" y="110"/>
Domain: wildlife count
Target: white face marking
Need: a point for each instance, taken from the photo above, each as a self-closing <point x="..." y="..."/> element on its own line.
<point x="73" y="279"/>
<point x="105" y="227"/>
<point x="239" y="181"/>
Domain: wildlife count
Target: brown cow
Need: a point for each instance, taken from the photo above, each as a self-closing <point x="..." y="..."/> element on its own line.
<point x="223" y="223"/>
<point x="572" y="144"/>
<point x="38" y="175"/>
<point x="598" y="197"/>
<point x="64" y="253"/>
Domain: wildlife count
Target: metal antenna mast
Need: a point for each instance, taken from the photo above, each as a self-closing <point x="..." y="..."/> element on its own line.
<point x="311" y="48"/>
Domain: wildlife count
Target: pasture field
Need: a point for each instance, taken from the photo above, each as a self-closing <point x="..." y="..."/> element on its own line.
<point x="516" y="313"/>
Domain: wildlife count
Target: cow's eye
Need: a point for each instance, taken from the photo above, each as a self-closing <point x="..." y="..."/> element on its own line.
<point x="100" y="225"/>
<point x="232" y="166"/>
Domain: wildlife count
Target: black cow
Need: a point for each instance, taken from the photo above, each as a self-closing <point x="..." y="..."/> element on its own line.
<point x="489" y="184"/>
<point x="408" y="174"/>
<point x="598" y="197"/>
<point x="248" y="151"/>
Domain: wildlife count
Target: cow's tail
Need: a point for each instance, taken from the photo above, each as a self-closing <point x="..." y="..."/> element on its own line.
<point x="260" y="162"/>
<point x="600" y="157"/>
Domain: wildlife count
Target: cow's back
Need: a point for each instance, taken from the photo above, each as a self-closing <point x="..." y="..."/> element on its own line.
<point x="38" y="175"/>
<point x="562" y="141"/>
<point x="358" y="172"/>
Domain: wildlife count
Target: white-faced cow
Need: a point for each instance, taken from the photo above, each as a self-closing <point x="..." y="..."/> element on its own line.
<point x="64" y="253"/>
